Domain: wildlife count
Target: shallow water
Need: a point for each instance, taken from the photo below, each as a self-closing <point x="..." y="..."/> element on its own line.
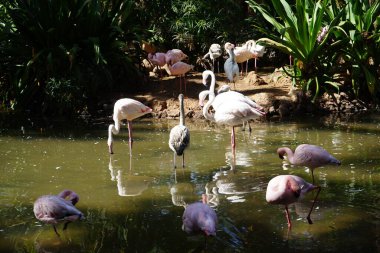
<point x="135" y="204"/>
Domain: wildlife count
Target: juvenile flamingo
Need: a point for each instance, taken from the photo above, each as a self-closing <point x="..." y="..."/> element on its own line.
<point x="214" y="52"/>
<point x="128" y="109"/>
<point x="231" y="68"/>
<point x="52" y="209"/>
<point x="199" y="218"/>
<point x="179" y="137"/>
<point x="287" y="189"/>
<point x="308" y="155"/>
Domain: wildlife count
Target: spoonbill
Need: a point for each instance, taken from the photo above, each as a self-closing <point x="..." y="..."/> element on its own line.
<point x="287" y="189"/>
<point x="129" y="109"/>
<point x="308" y="155"/>
<point x="52" y="209"/>
<point x="179" y="137"/>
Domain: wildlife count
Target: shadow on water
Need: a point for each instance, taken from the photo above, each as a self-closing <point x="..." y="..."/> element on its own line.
<point x="136" y="203"/>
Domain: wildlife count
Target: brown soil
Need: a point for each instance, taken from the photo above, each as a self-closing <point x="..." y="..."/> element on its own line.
<point x="264" y="87"/>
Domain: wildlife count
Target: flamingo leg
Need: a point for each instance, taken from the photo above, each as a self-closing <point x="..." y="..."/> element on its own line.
<point x="246" y="68"/>
<point x="66" y="224"/>
<point x="312" y="174"/>
<point x="183" y="160"/>
<point x="130" y="136"/>
<point x="288" y="217"/>
<point x="174" y="161"/>
<point x="312" y="206"/>
<point x="233" y="145"/>
<point x="55" y="230"/>
<point x="255" y="64"/>
<point x="184" y="80"/>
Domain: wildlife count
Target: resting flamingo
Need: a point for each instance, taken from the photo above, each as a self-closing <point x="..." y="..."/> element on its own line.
<point x="157" y="59"/>
<point x="52" y="209"/>
<point x="128" y="109"/>
<point x="250" y="50"/>
<point x="229" y="110"/>
<point x="179" y="137"/>
<point x="231" y="68"/>
<point x="308" y="155"/>
<point x="287" y="189"/>
<point x="174" y="55"/>
<point x="214" y="52"/>
<point x="179" y="69"/>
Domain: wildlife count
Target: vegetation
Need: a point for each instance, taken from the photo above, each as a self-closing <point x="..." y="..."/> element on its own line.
<point x="59" y="56"/>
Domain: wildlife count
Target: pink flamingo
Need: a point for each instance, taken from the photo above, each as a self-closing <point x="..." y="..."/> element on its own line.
<point x="157" y="59"/>
<point x="175" y="55"/>
<point x="179" y="69"/>
<point x="52" y="209"/>
<point x="308" y="155"/>
<point x="128" y="109"/>
<point x="231" y="108"/>
<point x="199" y="218"/>
<point x="287" y="189"/>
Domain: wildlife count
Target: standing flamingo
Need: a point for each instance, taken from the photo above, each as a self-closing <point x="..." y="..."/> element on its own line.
<point x="175" y="55"/>
<point x="287" y="189"/>
<point x="214" y="52"/>
<point x="249" y="50"/>
<point x="199" y="218"/>
<point x="179" y="137"/>
<point x="157" y="59"/>
<point x="231" y="68"/>
<point x="230" y="110"/>
<point x="179" y="69"/>
<point x="308" y="155"/>
<point x="128" y="109"/>
<point x="52" y="209"/>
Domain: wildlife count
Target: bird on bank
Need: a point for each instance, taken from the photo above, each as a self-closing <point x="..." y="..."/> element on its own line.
<point x="231" y="68"/>
<point x="288" y="189"/>
<point x="179" y="137"/>
<point x="128" y="109"/>
<point x="179" y="69"/>
<point x="52" y="209"/>
<point x="173" y="56"/>
<point x="249" y="50"/>
<point x="214" y="52"/>
<point x="308" y="155"/>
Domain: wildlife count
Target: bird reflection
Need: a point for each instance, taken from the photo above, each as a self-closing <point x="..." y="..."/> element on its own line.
<point x="128" y="184"/>
<point x="182" y="192"/>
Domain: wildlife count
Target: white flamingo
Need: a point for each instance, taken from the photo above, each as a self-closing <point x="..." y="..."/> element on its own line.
<point x="250" y="50"/>
<point x="128" y="109"/>
<point x="230" y="108"/>
<point x="231" y="68"/>
<point x="179" y="137"/>
<point x="214" y="52"/>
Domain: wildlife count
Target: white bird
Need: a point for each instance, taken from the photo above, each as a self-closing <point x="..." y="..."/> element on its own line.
<point x="230" y="110"/>
<point x="175" y="55"/>
<point x="179" y="137"/>
<point x="128" y="109"/>
<point x="231" y="68"/>
<point x="179" y="69"/>
<point x="250" y="50"/>
<point x="214" y="52"/>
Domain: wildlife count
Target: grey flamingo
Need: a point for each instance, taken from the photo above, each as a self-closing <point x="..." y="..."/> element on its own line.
<point x="52" y="209"/>
<point x="287" y="189"/>
<point x="128" y="109"/>
<point x="231" y="68"/>
<point x="179" y="137"/>
<point x="308" y="155"/>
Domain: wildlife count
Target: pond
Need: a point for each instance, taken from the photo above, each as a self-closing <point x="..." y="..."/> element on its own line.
<point x="135" y="204"/>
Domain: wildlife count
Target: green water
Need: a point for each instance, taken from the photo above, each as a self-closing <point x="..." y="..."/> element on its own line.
<point x="134" y="205"/>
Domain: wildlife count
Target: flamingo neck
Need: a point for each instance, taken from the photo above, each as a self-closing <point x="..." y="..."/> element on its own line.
<point x="113" y="129"/>
<point x="232" y="54"/>
<point x="181" y="112"/>
<point x="289" y="153"/>
<point x="72" y="196"/>
<point x="211" y="96"/>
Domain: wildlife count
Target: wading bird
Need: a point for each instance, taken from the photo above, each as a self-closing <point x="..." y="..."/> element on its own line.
<point x="179" y="137"/>
<point x="287" y="189"/>
<point x="214" y="52"/>
<point x="231" y="68"/>
<point x="128" y="109"/>
<point x="199" y="218"/>
<point x="52" y="209"/>
<point x="308" y="155"/>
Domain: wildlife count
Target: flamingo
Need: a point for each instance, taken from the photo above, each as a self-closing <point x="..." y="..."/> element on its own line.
<point x="158" y="59"/>
<point x="199" y="218"/>
<point x="231" y="68"/>
<point x="230" y="110"/>
<point x="128" y="109"/>
<point x="179" y="69"/>
<point x="248" y="51"/>
<point x="214" y="52"/>
<point x="287" y="189"/>
<point x="174" y="55"/>
<point x="52" y="209"/>
<point x="308" y="155"/>
<point x="179" y="137"/>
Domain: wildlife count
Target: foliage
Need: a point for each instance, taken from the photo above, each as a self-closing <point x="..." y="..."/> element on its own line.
<point x="77" y="40"/>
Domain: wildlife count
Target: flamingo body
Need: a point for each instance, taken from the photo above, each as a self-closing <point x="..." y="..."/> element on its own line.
<point x="158" y="58"/>
<point x="287" y="189"/>
<point x="199" y="218"/>
<point x="308" y="155"/>
<point x="52" y="209"/>
<point x="128" y="109"/>
<point x="179" y="69"/>
<point x="214" y="52"/>
<point x="174" y="55"/>
<point x="179" y="137"/>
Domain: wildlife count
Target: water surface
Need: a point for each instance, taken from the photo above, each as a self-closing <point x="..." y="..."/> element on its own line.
<point x="135" y="204"/>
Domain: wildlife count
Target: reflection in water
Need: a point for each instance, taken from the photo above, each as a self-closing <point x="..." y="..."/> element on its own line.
<point x="129" y="184"/>
<point x="182" y="193"/>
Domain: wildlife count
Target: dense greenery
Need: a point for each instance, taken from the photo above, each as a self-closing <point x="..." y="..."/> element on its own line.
<point x="333" y="44"/>
<point x="60" y="56"/>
